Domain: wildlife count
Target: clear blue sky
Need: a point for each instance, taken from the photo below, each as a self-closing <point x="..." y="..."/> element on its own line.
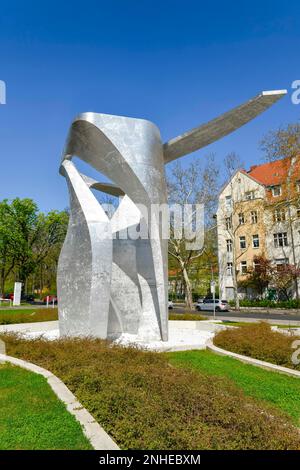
<point x="177" y="63"/>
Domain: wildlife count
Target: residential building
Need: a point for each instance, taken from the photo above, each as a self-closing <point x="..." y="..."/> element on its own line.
<point x="258" y="215"/>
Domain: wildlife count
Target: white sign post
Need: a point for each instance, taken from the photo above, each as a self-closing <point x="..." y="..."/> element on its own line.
<point x="213" y="291"/>
<point x="17" y="293"/>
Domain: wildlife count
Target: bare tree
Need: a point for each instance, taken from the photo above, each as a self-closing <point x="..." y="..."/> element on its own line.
<point x="232" y="163"/>
<point x="193" y="184"/>
<point x="283" y="142"/>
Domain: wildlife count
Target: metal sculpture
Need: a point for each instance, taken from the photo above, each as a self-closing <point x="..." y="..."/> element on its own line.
<point x="108" y="284"/>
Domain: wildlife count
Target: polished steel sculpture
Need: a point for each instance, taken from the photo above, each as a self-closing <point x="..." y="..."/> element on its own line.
<point x="108" y="284"/>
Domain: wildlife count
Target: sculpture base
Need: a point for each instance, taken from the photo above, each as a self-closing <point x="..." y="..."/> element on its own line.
<point x="182" y="336"/>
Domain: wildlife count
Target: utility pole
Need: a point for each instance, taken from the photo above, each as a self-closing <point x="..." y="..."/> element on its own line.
<point x="213" y="289"/>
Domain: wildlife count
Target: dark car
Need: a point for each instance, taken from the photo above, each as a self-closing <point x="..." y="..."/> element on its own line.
<point x="27" y="298"/>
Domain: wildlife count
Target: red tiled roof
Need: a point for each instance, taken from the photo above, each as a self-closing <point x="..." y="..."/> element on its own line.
<point x="274" y="172"/>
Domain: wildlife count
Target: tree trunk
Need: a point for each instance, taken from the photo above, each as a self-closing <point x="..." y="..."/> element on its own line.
<point x="235" y="287"/>
<point x="188" y="289"/>
<point x="2" y="286"/>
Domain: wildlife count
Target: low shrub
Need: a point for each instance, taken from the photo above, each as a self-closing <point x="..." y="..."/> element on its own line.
<point x="186" y="316"/>
<point x="143" y="402"/>
<point x="260" y="342"/>
<point x="284" y="304"/>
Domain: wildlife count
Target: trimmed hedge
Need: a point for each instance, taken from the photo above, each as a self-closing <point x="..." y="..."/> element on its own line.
<point x="268" y="303"/>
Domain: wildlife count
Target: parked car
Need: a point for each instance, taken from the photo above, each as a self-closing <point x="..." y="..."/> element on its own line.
<point x="27" y="298"/>
<point x="208" y="304"/>
<point x="170" y="304"/>
<point x="24" y="297"/>
<point x="51" y="298"/>
<point x="9" y="296"/>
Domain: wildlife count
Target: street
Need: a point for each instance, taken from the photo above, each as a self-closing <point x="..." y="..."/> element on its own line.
<point x="242" y="315"/>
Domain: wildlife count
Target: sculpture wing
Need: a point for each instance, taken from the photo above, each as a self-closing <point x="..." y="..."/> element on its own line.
<point x="219" y="127"/>
<point x="108" y="188"/>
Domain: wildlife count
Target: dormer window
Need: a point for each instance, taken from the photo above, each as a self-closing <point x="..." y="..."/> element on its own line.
<point x="276" y="190"/>
<point x="249" y="195"/>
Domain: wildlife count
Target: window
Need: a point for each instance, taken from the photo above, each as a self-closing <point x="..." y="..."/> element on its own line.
<point x="280" y="239"/>
<point x="228" y="202"/>
<point x="243" y="267"/>
<point x="241" y="218"/>
<point x="249" y="195"/>
<point x="228" y="223"/>
<point x="255" y="241"/>
<point x="298" y="212"/>
<point x="229" y="246"/>
<point x="229" y="269"/>
<point x="280" y="263"/>
<point x="254" y="217"/>
<point x="256" y="266"/>
<point x="242" y="243"/>
<point x="279" y="215"/>
<point x="276" y="190"/>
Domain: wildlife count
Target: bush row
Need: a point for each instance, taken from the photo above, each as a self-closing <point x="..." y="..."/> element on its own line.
<point x="145" y="403"/>
<point x="260" y="342"/>
<point x="268" y="303"/>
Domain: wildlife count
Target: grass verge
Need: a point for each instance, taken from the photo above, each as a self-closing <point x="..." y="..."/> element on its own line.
<point x="186" y="316"/>
<point x="9" y="316"/>
<point x="144" y="402"/>
<point x="278" y="389"/>
<point x="31" y="416"/>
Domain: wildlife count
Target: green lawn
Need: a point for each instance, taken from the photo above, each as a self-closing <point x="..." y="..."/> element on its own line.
<point x="280" y="390"/>
<point x="31" y="416"/>
<point x="11" y="316"/>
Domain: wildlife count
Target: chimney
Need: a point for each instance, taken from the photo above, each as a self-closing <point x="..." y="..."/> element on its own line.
<point x="252" y="168"/>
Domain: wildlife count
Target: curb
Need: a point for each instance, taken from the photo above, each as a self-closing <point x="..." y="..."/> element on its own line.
<point x="98" y="438"/>
<point x="252" y="361"/>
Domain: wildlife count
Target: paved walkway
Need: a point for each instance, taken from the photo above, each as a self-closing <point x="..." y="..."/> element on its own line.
<point x="30" y="327"/>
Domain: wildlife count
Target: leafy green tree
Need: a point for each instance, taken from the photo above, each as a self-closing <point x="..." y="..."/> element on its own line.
<point x="8" y="243"/>
<point x="28" y="238"/>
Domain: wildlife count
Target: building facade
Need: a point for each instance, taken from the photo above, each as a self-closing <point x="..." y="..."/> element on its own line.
<point x="258" y="216"/>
